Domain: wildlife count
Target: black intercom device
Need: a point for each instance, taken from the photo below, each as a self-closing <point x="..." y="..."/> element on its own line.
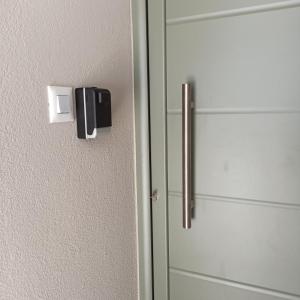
<point x="93" y="110"/>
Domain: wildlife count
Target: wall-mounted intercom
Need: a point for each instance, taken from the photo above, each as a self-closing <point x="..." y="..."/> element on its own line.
<point x="93" y="110"/>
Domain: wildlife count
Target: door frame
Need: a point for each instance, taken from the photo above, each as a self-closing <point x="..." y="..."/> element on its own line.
<point x="142" y="146"/>
<point x="148" y="42"/>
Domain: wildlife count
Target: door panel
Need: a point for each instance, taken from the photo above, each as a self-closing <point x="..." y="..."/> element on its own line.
<point x="245" y="70"/>
<point x="205" y="288"/>
<point x="243" y="156"/>
<point x="179" y="8"/>
<point x="242" y="62"/>
<point x="248" y="243"/>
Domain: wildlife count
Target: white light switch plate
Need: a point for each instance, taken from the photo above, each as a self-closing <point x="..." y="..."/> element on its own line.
<point x="64" y="94"/>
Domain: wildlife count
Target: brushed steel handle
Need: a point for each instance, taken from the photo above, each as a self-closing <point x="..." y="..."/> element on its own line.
<point x="187" y="107"/>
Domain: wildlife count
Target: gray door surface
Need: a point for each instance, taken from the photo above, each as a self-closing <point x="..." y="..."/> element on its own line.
<point x="242" y="59"/>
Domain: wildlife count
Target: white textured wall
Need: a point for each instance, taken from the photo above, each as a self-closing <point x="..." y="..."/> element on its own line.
<point x="67" y="208"/>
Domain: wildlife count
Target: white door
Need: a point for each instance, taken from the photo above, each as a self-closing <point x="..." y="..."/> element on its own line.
<point x="242" y="59"/>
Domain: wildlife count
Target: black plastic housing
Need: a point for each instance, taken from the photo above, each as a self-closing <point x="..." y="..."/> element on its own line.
<point x="93" y="110"/>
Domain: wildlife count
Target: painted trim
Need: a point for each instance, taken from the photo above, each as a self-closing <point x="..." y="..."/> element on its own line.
<point x="240" y="201"/>
<point x="235" y="12"/>
<point x="243" y="286"/>
<point x="232" y="111"/>
<point x="142" y="158"/>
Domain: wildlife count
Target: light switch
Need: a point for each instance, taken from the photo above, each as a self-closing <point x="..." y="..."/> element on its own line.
<point x="60" y="101"/>
<point x="63" y="104"/>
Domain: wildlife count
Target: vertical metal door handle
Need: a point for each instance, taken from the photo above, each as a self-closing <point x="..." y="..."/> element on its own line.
<point x="187" y="155"/>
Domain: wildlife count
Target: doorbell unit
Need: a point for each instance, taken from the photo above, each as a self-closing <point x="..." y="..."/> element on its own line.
<point x="93" y="110"/>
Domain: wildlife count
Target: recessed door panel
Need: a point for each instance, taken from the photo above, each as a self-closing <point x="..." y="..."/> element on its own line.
<point x="248" y="243"/>
<point x="199" y="287"/>
<point x="247" y="62"/>
<point x="179" y="8"/>
<point x="244" y="156"/>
